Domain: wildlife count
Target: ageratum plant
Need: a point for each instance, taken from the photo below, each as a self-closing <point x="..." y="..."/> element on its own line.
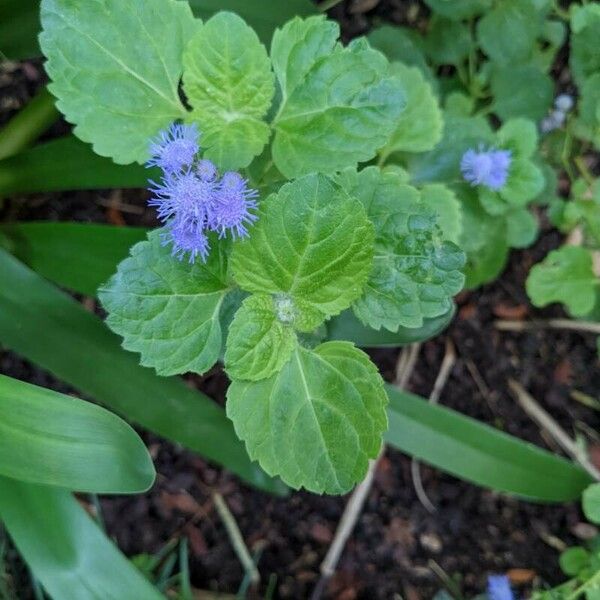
<point x="274" y="227"/>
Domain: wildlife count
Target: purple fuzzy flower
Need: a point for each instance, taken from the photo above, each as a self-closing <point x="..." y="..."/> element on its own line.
<point x="488" y="168"/>
<point x="232" y="209"/>
<point x="175" y="148"/>
<point x="187" y="237"/>
<point x="499" y="588"/>
<point x="185" y="196"/>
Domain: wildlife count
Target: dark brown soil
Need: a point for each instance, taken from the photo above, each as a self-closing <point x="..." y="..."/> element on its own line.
<point x="399" y="549"/>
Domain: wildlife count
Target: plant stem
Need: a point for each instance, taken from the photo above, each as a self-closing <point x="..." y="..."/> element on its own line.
<point x="566" y="324"/>
<point x="584" y="586"/>
<point x="585" y="173"/>
<point x="28" y="124"/>
<point x="325" y="6"/>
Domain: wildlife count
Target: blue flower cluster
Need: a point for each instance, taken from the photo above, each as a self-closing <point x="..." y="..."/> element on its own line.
<point x="486" y="167"/>
<point x="191" y="199"/>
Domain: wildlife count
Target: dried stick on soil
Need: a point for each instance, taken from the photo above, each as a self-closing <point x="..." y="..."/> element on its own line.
<point x="235" y="537"/>
<point x="566" y="324"/>
<point x="546" y="422"/>
<point x="404" y="368"/>
<point x="440" y="381"/>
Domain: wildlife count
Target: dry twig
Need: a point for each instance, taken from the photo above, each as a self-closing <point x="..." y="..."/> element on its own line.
<point x="565" y="324"/>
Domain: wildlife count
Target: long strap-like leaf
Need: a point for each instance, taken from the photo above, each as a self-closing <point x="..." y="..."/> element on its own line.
<point x="52" y="330"/>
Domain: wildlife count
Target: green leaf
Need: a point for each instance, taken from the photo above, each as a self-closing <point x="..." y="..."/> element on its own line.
<point x="525" y="182"/>
<point x="521" y="228"/>
<point x="479" y="453"/>
<point x="260" y="339"/>
<point x="419" y="127"/>
<point x="338" y="104"/>
<point x="228" y="81"/>
<point x="574" y="560"/>
<point x="79" y="256"/>
<point x="519" y="136"/>
<point x="459" y="9"/>
<point x="415" y="273"/>
<point x="312" y="243"/>
<point x="444" y="203"/>
<point x="447" y="42"/>
<point x="591" y="503"/>
<point x="483" y="239"/>
<point x="589" y="110"/>
<point x="167" y="309"/>
<point x="507" y="33"/>
<point x="585" y="30"/>
<point x="403" y="45"/>
<point x="50" y="438"/>
<point x="50" y="329"/>
<point x="65" y="164"/>
<point x="65" y="549"/>
<point x="115" y="69"/>
<point x="566" y="275"/>
<point x="19" y="27"/>
<point x="318" y="421"/>
<point x="347" y="327"/>
<point x="521" y="91"/>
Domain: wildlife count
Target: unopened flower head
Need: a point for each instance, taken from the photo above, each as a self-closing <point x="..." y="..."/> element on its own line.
<point x="175" y="148"/>
<point x="486" y="167"/>
<point x="499" y="588"/>
<point x="233" y="206"/>
<point x="191" y="199"/>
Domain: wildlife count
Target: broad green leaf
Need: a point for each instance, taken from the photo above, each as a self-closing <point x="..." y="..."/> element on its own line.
<point x="312" y="243"/>
<point x="459" y="9"/>
<point x="519" y="136"/>
<point x="318" y="421"/>
<point x="115" y="69"/>
<point x="228" y="82"/>
<point x="261" y="338"/>
<point x="338" y="104"/>
<point x="566" y="275"/>
<point x="444" y="203"/>
<point x="521" y="228"/>
<point x="507" y="33"/>
<point x="573" y="560"/>
<point x="415" y="272"/>
<point x="588" y="123"/>
<point x="521" y="91"/>
<point x="167" y="309"/>
<point x="584" y="58"/>
<point x="347" y="327"/>
<point x="483" y="239"/>
<point x="403" y="45"/>
<point x="65" y="164"/>
<point x="591" y="503"/>
<point x="65" y="549"/>
<point x="419" y="127"/>
<point x="19" y="28"/>
<point x="53" y="331"/>
<point x="525" y="182"/>
<point x="447" y="42"/>
<point x="415" y="275"/>
<point x="53" y="439"/>
<point x="298" y="46"/>
<point x="79" y="256"/>
<point x="479" y="453"/>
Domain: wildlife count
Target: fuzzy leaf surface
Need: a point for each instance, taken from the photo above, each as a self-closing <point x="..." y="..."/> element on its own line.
<point x="115" y="69"/>
<point x="259" y="342"/>
<point x="318" y="421"/>
<point x="338" y="104"/>
<point x="166" y="309"/>
<point x="313" y="243"/>
<point x="228" y="81"/>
